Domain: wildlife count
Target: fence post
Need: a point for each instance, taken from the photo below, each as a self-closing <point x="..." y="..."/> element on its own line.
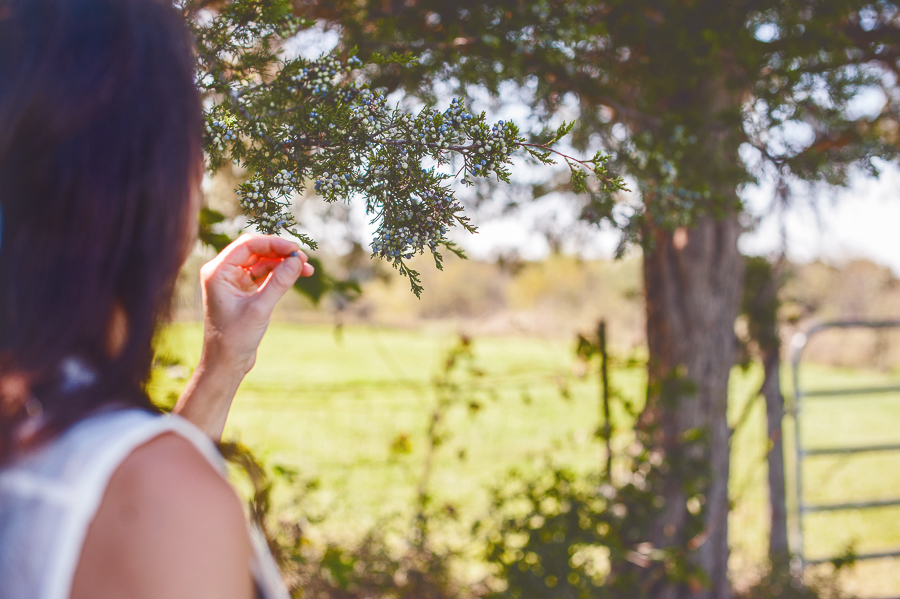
<point x="604" y="397"/>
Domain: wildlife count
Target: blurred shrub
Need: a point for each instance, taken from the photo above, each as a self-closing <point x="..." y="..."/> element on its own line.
<point x="560" y="534"/>
<point x="781" y="584"/>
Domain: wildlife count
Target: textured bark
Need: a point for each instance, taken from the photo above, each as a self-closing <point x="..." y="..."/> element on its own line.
<point x="771" y="390"/>
<point x="693" y="281"/>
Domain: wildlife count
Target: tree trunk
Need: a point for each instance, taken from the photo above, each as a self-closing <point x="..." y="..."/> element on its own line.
<point x="693" y="279"/>
<point x="761" y="305"/>
<point x="771" y="390"/>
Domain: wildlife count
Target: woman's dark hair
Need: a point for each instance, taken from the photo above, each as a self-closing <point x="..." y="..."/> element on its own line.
<point x="100" y="125"/>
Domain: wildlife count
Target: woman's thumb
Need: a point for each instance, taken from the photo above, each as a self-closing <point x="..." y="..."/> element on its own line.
<point x="282" y="278"/>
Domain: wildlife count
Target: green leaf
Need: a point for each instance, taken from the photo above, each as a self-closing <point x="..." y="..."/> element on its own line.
<point x="561" y="132"/>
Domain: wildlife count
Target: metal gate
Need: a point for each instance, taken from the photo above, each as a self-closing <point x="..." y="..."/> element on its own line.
<point x="806" y="399"/>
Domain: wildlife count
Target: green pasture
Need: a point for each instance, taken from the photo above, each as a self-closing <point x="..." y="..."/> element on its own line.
<point x="350" y="408"/>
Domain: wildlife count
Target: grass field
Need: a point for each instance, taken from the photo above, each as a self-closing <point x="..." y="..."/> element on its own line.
<point x="338" y="406"/>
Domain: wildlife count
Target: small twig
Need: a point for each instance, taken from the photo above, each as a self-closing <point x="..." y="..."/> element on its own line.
<point x="583" y="163"/>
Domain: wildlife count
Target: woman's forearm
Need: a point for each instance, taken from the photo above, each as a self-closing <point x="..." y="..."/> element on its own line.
<point x="207" y="397"/>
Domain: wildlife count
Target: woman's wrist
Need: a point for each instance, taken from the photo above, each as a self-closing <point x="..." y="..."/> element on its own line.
<point x="218" y="356"/>
<point x="225" y="368"/>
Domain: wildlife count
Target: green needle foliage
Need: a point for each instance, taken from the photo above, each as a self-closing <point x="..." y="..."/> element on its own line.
<point x="293" y="122"/>
<point x="672" y="89"/>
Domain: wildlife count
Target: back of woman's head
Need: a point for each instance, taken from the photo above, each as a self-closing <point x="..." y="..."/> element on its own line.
<point x="99" y="153"/>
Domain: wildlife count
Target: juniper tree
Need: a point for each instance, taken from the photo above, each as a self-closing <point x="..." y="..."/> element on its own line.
<point x="691" y="98"/>
<point x="293" y="123"/>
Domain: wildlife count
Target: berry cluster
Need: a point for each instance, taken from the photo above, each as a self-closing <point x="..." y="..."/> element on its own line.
<point x="268" y="201"/>
<point x="220" y="132"/>
<point x="493" y="150"/>
<point x="419" y="227"/>
<point x="320" y="77"/>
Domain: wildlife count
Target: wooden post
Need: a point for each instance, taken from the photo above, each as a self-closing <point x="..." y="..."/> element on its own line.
<point x="604" y="398"/>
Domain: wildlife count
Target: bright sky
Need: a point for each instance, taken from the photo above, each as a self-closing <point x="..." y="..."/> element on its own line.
<point x="862" y="221"/>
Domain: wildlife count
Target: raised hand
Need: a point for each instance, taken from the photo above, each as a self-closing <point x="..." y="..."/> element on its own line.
<point x="240" y="288"/>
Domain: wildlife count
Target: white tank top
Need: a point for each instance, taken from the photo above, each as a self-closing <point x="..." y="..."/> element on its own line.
<point x="49" y="497"/>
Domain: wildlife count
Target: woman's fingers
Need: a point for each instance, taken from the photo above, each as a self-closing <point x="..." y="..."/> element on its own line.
<point x="253" y="260"/>
<point x="260" y="269"/>
<point x="242" y="251"/>
<point x="249" y="262"/>
<point x="282" y="278"/>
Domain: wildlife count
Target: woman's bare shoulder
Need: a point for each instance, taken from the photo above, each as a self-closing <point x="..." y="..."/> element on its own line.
<point x="168" y="527"/>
